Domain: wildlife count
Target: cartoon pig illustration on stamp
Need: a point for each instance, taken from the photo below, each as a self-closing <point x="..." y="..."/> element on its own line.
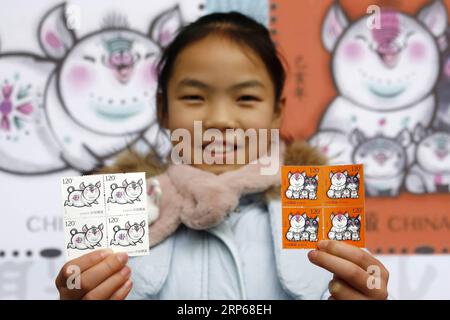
<point x="297" y="226"/>
<point x="88" y="238"/>
<point x="84" y="196"/>
<point x="311" y="228"/>
<point x="296" y="185"/>
<point x="353" y="228"/>
<point x="130" y="235"/>
<point x="338" y="183"/>
<point x="127" y="193"/>
<point x="339" y="226"/>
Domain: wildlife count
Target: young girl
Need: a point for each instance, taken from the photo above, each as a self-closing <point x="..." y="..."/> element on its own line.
<point x="218" y="234"/>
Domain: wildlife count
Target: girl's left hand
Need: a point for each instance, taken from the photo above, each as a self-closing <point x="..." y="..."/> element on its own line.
<point x="351" y="266"/>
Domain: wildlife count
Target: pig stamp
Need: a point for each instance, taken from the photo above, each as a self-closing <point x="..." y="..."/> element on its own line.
<point x="84" y="196"/>
<point x="127" y="193"/>
<point x="129" y="236"/>
<point x="88" y="238"/>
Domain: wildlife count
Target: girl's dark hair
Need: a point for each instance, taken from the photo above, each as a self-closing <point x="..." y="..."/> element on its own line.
<point x="237" y="28"/>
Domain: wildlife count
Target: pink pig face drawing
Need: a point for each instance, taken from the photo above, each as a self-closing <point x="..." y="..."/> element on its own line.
<point x="89" y="97"/>
<point x="134" y="189"/>
<point x="94" y="234"/>
<point x="339" y="220"/>
<point x="387" y="61"/>
<point x="339" y="178"/>
<point x="106" y="80"/>
<point x="135" y="231"/>
<point x="91" y="192"/>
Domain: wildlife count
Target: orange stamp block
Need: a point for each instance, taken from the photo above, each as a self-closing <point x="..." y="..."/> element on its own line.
<point x="322" y="202"/>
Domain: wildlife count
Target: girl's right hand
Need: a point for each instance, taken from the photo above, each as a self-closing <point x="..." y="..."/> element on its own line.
<point x="103" y="275"/>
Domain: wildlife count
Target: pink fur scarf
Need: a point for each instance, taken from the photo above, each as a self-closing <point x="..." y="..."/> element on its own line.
<point x="200" y="199"/>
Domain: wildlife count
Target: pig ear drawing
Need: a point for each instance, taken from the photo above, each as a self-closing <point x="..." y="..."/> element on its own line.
<point x="333" y="27"/>
<point x="419" y="133"/>
<point x="124" y="183"/>
<point x="290" y="216"/>
<point x="331" y="174"/>
<point x="332" y="215"/>
<point x="55" y="38"/>
<point x="82" y="186"/>
<point x="142" y="223"/>
<point x="289" y="175"/>
<point x="434" y="17"/>
<point x="85" y="228"/>
<point x="127" y="225"/>
<point x="357" y="137"/>
<point x="164" y="28"/>
<point x="140" y="182"/>
<point x="100" y="226"/>
<point x="346" y="214"/>
<point x="404" y="138"/>
<point x="97" y="184"/>
<point x="345" y="173"/>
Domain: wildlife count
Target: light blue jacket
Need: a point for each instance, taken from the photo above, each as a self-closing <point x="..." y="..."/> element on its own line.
<point x="241" y="258"/>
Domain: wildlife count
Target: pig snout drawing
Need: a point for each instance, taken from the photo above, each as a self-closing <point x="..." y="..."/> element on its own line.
<point x="129" y="236"/>
<point x="88" y="238"/>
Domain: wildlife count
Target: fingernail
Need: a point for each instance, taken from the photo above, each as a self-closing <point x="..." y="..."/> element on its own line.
<point x="105" y="252"/>
<point x="125" y="272"/>
<point x="312" y="254"/>
<point x="122" y="257"/>
<point x="323" y="244"/>
<point x="334" y="287"/>
<point x="128" y="284"/>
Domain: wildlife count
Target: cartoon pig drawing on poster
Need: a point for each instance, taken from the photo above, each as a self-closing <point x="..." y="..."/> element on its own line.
<point x="384" y="75"/>
<point x="384" y="161"/>
<point x="442" y="120"/>
<point x="100" y="98"/>
<point x="431" y="171"/>
<point x="22" y="118"/>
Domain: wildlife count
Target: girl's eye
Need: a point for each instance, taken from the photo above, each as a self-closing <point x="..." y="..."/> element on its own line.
<point x="248" y="98"/>
<point x="193" y="98"/>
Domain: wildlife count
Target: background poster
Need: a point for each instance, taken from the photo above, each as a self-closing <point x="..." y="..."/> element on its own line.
<point x="380" y="97"/>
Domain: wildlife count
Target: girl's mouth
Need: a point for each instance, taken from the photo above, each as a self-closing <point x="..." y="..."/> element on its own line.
<point x="219" y="149"/>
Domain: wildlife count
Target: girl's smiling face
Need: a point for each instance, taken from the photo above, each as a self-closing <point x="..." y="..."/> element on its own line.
<point x="225" y="86"/>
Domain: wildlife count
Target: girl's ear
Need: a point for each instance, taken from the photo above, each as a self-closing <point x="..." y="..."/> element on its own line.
<point x="278" y="114"/>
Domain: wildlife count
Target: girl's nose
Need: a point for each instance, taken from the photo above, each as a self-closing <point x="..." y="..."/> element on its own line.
<point x="220" y="116"/>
